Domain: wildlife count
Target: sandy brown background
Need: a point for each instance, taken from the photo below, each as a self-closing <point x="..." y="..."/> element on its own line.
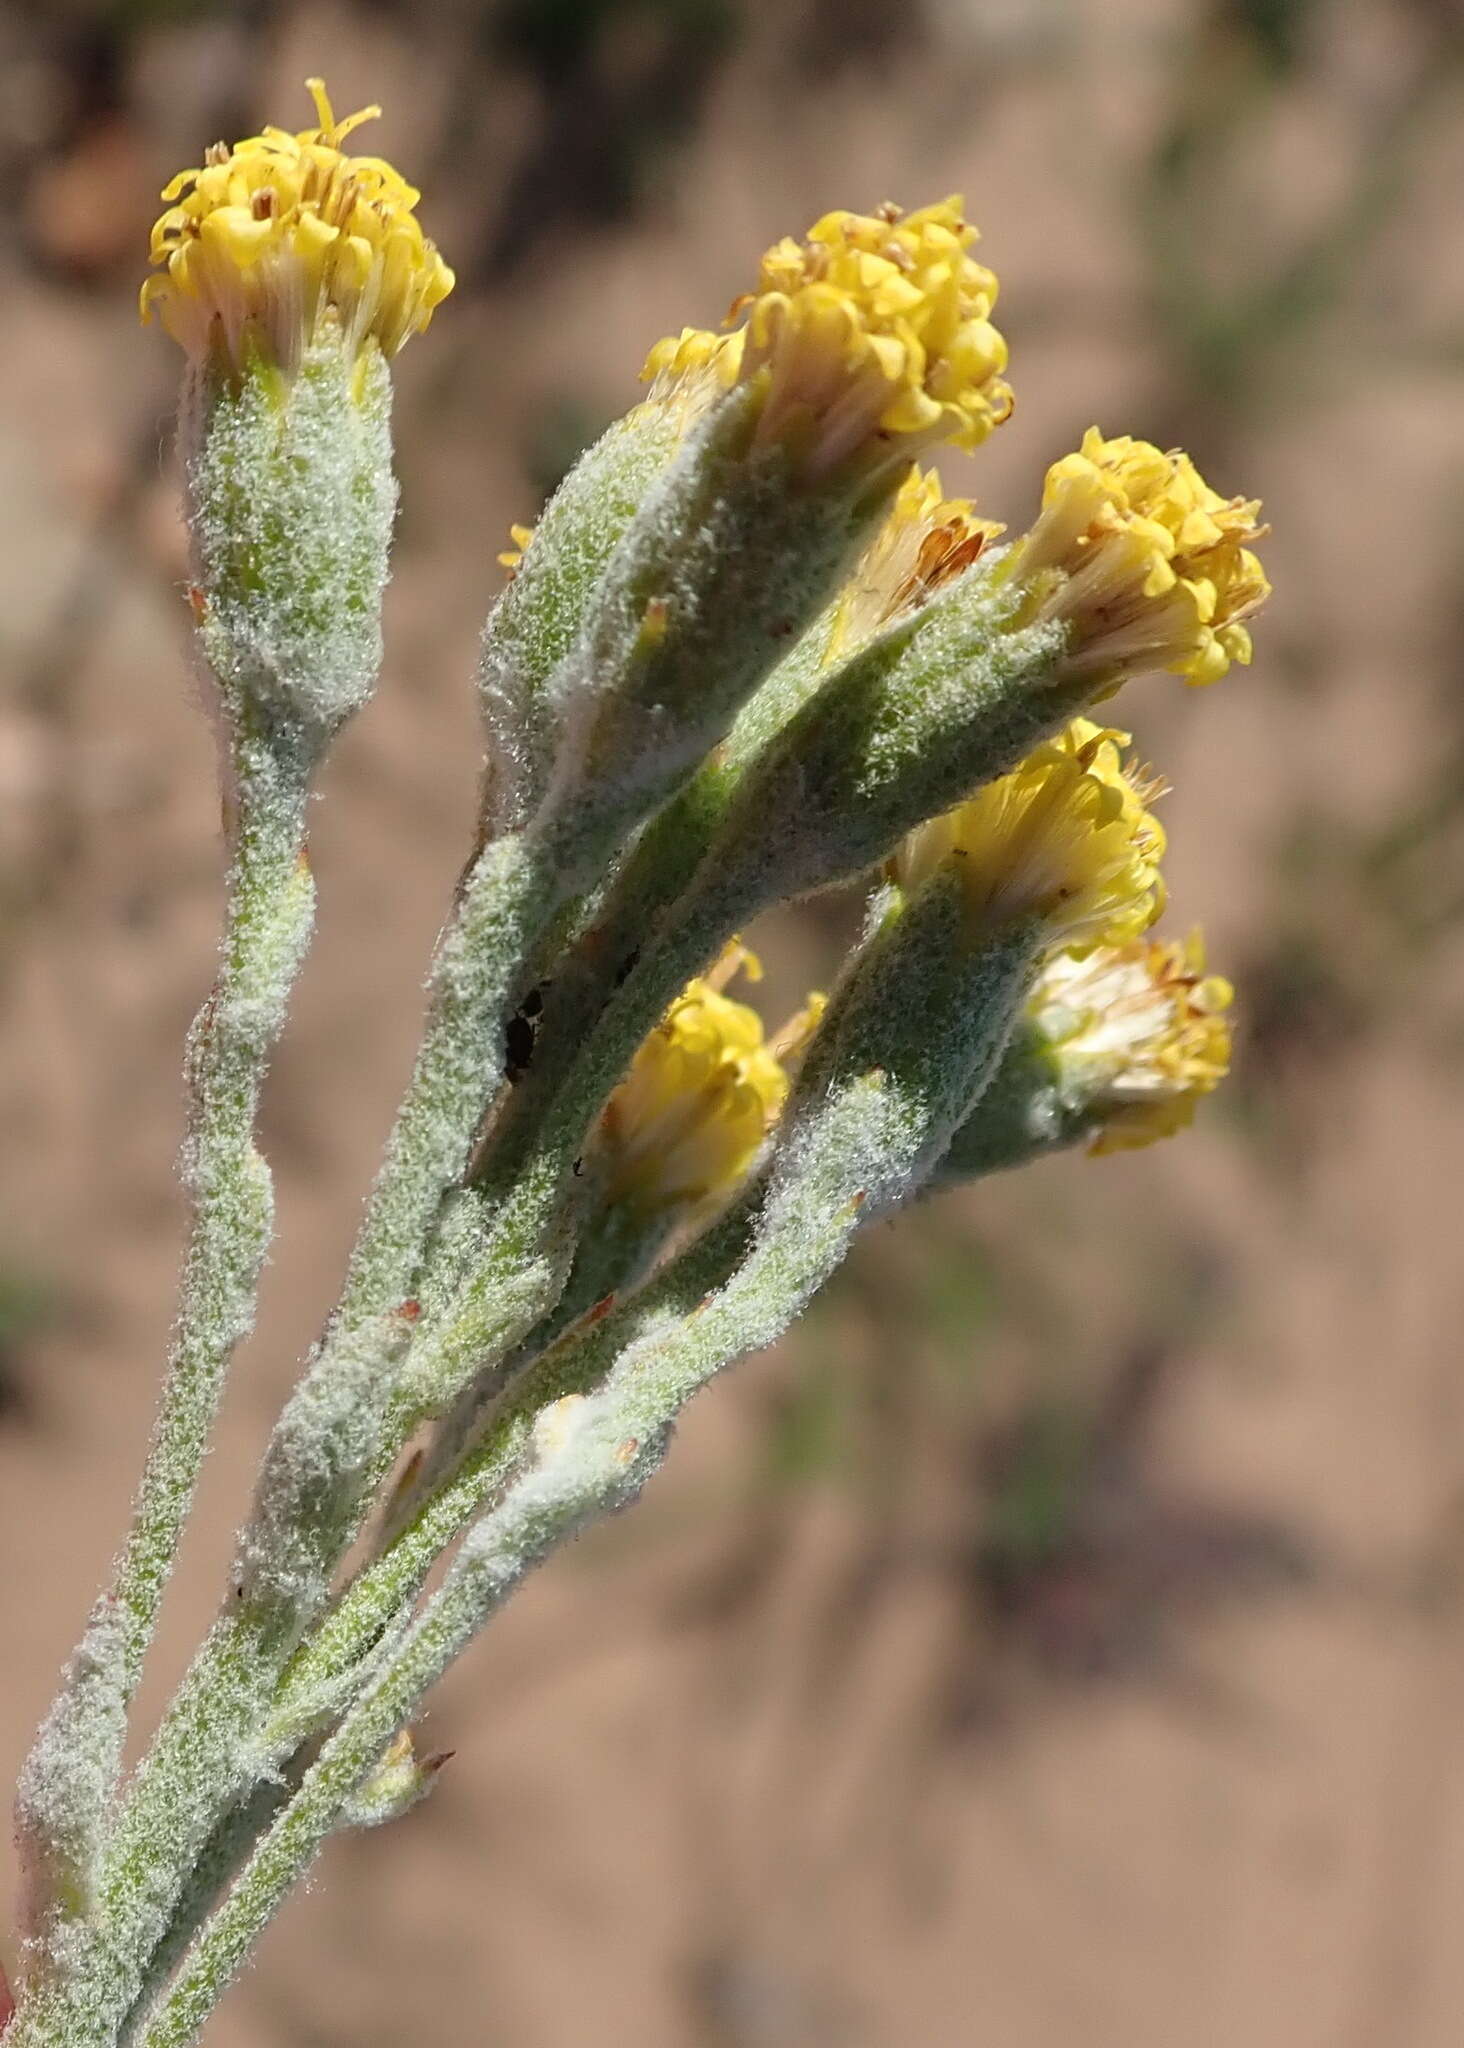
<point x="1061" y="1638"/>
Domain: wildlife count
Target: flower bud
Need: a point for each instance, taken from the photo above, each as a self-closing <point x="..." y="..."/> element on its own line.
<point x="925" y="1007"/>
<point x="948" y="694"/>
<point x="290" y="273"/>
<point x="1116" y="1048"/>
<point x="626" y="646"/>
<point x="1145" y="566"/>
<point x="400" y="1781"/>
<point x="555" y="568"/>
<point x="869" y="341"/>
<point x="271" y="241"/>
<point x="720" y="567"/>
<point x="683" y="1128"/>
<point x="290" y="499"/>
<point x="1065" y="839"/>
<point x="1137" y="1034"/>
<point x="1061" y="851"/>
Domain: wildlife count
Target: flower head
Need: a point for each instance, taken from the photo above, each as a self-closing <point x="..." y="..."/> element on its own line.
<point x="925" y="541"/>
<point x="1138" y="1033"/>
<point x="1066" y="838"/>
<point x="270" y="237"/>
<point x="872" y="338"/>
<point x="702" y="1093"/>
<point x="1146" y="565"/>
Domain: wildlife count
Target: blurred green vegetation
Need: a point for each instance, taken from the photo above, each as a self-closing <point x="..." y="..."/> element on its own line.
<point x="1243" y="304"/>
<point x="893" y="1340"/>
<point x="27" y="1306"/>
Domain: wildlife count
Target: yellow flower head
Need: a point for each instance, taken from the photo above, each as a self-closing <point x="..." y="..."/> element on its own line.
<point x="268" y="238"/>
<point x="872" y="339"/>
<point x="1066" y="838"/>
<point x="926" y="541"/>
<point x="702" y="1093"/>
<point x="1146" y="565"/>
<point x="1138" y="1033"/>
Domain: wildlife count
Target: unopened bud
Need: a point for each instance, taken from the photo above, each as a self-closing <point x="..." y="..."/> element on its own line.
<point x="400" y="1781"/>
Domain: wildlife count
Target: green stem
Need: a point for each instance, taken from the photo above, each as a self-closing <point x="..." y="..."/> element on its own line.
<point x="384" y="1588"/>
<point x="613" y="1257"/>
<point x="220" y="1862"/>
<point x="270" y="901"/>
<point x="870" y="1117"/>
<point x="523" y="1254"/>
<point x="554" y="1495"/>
<point x="519" y="1268"/>
<point x="192" y="1773"/>
<point x="505" y="900"/>
<point x="270" y="910"/>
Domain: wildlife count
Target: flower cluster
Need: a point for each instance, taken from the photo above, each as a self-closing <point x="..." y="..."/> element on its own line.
<point x="717" y="683"/>
<point x="1137" y="1033"/>
<point x="873" y="339"/>
<point x="1066" y="838"/>
<point x="267" y="239"/>
<point x="1145" y="564"/>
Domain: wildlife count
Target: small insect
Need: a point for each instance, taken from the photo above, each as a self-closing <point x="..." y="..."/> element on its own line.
<point x="522" y="1032"/>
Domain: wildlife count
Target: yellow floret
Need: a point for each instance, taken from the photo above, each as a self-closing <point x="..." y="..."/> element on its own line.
<point x="689" y="1118"/>
<point x="1146" y="565"/>
<point x="1138" y="1034"/>
<point x="1066" y="838"/>
<point x="926" y="540"/>
<point x="872" y="338"/>
<point x="266" y="240"/>
<point x="511" y="557"/>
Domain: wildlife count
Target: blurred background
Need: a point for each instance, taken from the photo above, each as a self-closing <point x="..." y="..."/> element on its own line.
<point x="1061" y="1637"/>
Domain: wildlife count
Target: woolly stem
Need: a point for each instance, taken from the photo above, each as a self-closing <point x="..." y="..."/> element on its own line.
<point x="870" y="1119"/>
<point x="504" y="902"/>
<point x="391" y="1581"/>
<point x="270" y="909"/>
<point x="603" y="1465"/>
<point x="191" y="1774"/>
<point x="220" y="1862"/>
<point x="614" y="1255"/>
<point x="522" y="1254"/>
